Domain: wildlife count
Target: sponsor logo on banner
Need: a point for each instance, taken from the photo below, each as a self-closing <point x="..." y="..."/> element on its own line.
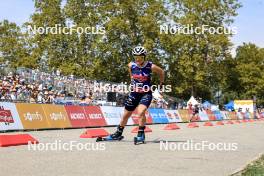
<point x="6" y="116"/>
<point x="77" y="116"/>
<point x="173" y="116"/>
<point x="113" y="115"/>
<point x="33" y="116"/>
<point x="94" y="116"/>
<point x="9" y="118"/>
<point x="57" y="116"/>
<point x="158" y="115"/>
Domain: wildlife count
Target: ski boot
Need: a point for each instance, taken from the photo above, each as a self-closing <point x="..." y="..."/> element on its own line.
<point x="117" y="136"/>
<point x="140" y="139"/>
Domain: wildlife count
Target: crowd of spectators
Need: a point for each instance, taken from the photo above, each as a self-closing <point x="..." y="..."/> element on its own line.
<point x="34" y="86"/>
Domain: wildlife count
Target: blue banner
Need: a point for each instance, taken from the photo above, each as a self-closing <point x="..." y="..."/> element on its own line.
<point x="218" y="115"/>
<point x="158" y="116"/>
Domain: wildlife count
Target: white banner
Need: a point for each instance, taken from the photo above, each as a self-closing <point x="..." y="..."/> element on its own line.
<point x="9" y="118"/>
<point x="113" y="115"/>
<point x="203" y="115"/>
<point x="244" y="105"/>
<point x="173" y="116"/>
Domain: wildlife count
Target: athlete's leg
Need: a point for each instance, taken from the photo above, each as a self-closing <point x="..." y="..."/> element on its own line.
<point x="125" y="117"/>
<point x="130" y="106"/>
<point x="121" y="126"/>
<point x="141" y="109"/>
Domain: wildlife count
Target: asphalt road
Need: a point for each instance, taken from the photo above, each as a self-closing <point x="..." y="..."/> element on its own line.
<point x="226" y="149"/>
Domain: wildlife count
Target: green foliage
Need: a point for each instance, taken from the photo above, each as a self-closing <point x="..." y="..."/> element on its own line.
<point x="198" y="64"/>
<point x="254" y="168"/>
<point x="250" y="66"/>
<point x="13" y="45"/>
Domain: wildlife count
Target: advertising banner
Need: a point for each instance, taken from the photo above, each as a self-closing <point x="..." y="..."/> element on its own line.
<point x="32" y="116"/>
<point x="77" y="116"/>
<point x="184" y="114"/>
<point x="94" y="116"/>
<point x="158" y="115"/>
<point x="225" y="115"/>
<point x="173" y="116"/>
<point x="56" y="116"/>
<point x="244" y="105"/>
<point x="240" y="115"/>
<point x="218" y="115"/>
<point x="210" y="114"/>
<point x="248" y="115"/>
<point x="233" y="115"/>
<point x="9" y="118"/>
<point x="113" y="115"/>
<point x="203" y="115"/>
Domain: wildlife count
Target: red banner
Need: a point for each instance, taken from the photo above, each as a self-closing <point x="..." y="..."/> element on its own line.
<point x="77" y="116"/>
<point x="94" y="116"/>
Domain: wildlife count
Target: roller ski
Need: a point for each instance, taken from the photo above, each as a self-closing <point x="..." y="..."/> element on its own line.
<point x="109" y="138"/>
<point x="140" y="139"/>
<point x="117" y="136"/>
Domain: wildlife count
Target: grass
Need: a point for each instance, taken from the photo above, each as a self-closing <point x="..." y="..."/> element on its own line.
<point x="256" y="168"/>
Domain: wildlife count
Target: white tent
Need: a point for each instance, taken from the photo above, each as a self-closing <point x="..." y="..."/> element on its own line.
<point x="214" y="107"/>
<point x="192" y="101"/>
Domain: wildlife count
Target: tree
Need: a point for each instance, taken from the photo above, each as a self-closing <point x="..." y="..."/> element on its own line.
<point x="195" y="64"/>
<point x="250" y="66"/>
<point x="52" y="49"/>
<point x="195" y="60"/>
<point x="13" y="45"/>
<point x="127" y="24"/>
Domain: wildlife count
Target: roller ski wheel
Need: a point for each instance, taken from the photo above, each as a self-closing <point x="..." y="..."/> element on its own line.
<point x="139" y="140"/>
<point x="109" y="138"/>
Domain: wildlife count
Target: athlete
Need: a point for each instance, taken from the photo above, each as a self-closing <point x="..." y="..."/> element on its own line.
<point x="140" y="97"/>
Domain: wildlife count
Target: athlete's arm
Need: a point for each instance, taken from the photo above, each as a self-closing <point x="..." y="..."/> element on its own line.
<point x="129" y="70"/>
<point x="159" y="71"/>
